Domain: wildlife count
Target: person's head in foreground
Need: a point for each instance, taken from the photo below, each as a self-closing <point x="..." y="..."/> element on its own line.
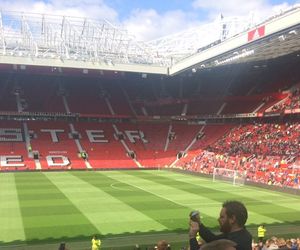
<point x="233" y="216"/>
<point x="62" y="246"/>
<point x="219" y="245"/>
<point x="162" y="245"/>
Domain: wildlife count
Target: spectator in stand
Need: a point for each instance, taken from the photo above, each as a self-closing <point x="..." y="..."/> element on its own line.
<point x="163" y="245"/>
<point x="295" y="244"/>
<point x="137" y="247"/>
<point x="62" y="246"/>
<point x="232" y="220"/>
<point x="271" y="244"/>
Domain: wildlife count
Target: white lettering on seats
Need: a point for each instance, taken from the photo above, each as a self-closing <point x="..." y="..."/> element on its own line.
<point x="11" y="134"/>
<point x="11" y="161"/>
<point x="57" y="160"/>
<point x="134" y="135"/>
<point x="96" y="136"/>
<point x="53" y="133"/>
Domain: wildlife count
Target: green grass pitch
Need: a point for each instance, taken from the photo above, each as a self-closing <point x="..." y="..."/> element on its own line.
<point x="45" y="207"/>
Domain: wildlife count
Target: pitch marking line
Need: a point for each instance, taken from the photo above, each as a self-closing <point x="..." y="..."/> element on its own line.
<point x="115" y="186"/>
<point x="157" y="195"/>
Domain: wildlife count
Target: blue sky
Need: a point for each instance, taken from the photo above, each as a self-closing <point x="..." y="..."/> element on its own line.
<point x="152" y="19"/>
<point x="124" y="7"/>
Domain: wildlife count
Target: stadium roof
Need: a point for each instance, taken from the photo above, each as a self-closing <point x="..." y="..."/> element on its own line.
<point x="276" y="37"/>
<point x="68" y="42"/>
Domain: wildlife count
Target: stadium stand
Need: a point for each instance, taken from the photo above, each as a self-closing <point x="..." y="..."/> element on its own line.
<point x="145" y="142"/>
<point x="14" y="155"/>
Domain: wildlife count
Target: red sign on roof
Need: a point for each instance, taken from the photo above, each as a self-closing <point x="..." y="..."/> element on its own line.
<point x="256" y="33"/>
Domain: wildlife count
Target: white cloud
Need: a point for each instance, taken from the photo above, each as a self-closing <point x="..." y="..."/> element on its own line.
<point x="86" y="8"/>
<point x="144" y="24"/>
<point x="261" y="9"/>
<point x="148" y="24"/>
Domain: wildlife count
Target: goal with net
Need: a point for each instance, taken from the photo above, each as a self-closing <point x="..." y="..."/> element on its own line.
<point x="236" y="177"/>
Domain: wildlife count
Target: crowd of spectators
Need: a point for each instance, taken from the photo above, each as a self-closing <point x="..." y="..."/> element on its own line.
<point x="277" y="243"/>
<point x="295" y="100"/>
<point x="268" y="170"/>
<point x="261" y="139"/>
<point x="269" y="153"/>
<point x="290" y="103"/>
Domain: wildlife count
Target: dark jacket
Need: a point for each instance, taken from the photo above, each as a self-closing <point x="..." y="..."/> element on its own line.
<point x="242" y="238"/>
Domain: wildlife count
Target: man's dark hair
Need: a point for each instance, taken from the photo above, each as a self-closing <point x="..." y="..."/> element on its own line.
<point x="237" y="209"/>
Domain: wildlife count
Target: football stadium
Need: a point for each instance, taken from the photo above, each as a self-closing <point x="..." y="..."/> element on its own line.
<point x="103" y="135"/>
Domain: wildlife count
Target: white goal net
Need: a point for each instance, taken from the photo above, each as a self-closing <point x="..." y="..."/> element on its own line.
<point x="236" y="177"/>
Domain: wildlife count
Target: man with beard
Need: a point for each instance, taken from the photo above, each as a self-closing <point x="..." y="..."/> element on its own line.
<point x="232" y="220"/>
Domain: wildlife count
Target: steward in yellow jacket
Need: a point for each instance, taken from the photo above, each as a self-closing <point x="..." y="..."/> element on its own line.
<point x="96" y="243"/>
<point x="261" y="232"/>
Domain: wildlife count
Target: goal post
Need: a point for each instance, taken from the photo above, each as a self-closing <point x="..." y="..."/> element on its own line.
<point x="236" y="177"/>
